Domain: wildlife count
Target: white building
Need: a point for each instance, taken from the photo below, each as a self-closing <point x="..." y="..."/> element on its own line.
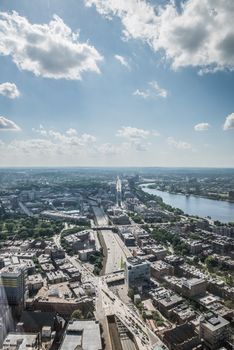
<point x="137" y="273"/>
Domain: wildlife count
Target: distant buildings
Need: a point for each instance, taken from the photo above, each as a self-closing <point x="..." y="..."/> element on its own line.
<point x="118" y="192"/>
<point x="71" y="216"/>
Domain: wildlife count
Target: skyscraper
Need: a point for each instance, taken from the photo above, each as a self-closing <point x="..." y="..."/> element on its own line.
<point x="12" y="285"/>
<point x="118" y="192"/>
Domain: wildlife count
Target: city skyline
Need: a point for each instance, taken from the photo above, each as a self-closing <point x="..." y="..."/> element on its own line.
<point x="117" y="83"/>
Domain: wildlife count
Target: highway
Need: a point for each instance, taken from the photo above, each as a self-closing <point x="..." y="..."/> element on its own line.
<point x="117" y="252"/>
<point x="107" y="303"/>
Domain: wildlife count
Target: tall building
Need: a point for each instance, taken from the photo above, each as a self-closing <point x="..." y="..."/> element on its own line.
<point x="214" y="330"/>
<point x="137" y="273"/>
<point x="118" y="192"/>
<point x="6" y="322"/>
<point x="12" y="285"/>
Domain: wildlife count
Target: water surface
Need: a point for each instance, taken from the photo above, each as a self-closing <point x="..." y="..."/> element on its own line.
<point x="193" y="205"/>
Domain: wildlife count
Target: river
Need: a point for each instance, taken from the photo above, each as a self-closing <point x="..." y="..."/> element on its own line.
<point x="197" y="206"/>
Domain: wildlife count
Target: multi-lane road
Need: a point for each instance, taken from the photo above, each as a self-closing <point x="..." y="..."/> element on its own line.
<point x="107" y="303"/>
<point x="117" y="252"/>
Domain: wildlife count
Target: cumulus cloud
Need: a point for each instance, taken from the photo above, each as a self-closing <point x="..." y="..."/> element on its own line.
<point x="196" y="33"/>
<point x="154" y="91"/>
<point x="49" y="50"/>
<point x="71" y="132"/>
<point x="229" y="122"/>
<point x="202" y="127"/>
<point x="136" y="138"/>
<point x="132" y="133"/>
<point x="178" y="144"/>
<point x="69" y="138"/>
<point x="55" y="145"/>
<point x="9" y="90"/>
<point x="8" y="125"/>
<point x="122" y="60"/>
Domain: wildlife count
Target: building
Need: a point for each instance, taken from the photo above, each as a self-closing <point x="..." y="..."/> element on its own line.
<point x="118" y="192"/>
<point x="174" y="260"/>
<point x="160" y="269"/>
<point x="128" y="238"/>
<point x="59" y="298"/>
<point x="167" y="303"/>
<point x="195" y="247"/>
<point x="12" y="285"/>
<point x="194" y="287"/>
<point x="137" y="273"/>
<point x="6" y="322"/>
<point x="183" y="313"/>
<point x="181" y="337"/>
<point x="34" y="282"/>
<point x="83" y="335"/>
<point x="22" y="341"/>
<point x="214" y="330"/>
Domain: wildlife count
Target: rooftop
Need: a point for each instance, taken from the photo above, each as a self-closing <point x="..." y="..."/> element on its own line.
<point x="85" y="334"/>
<point x="214" y="321"/>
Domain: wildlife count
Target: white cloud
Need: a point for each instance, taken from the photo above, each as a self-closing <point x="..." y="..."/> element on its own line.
<point x="54" y="145"/>
<point x="49" y="50"/>
<point x="108" y="149"/>
<point x="131" y="133"/>
<point x="41" y="130"/>
<point x="71" y="132"/>
<point x="122" y="60"/>
<point x="229" y="122"/>
<point x="8" y="125"/>
<point x="136" y="138"/>
<point x="202" y="127"/>
<point x="178" y="144"/>
<point x="141" y="93"/>
<point x="9" y="90"/>
<point x="196" y="33"/>
<point x="154" y="91"/>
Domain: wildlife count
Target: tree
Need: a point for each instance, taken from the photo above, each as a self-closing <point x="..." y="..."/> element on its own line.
<point x="210" y="262"/>
<point x="131" y="293"/>
<point x="10" y="227"/>
<point x="77" y="315"/>
<point x="229" y="304"/>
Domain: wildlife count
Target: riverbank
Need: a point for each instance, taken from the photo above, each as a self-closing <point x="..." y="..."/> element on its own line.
<point x="195" y="206"/>
<point x="152" y="187"/>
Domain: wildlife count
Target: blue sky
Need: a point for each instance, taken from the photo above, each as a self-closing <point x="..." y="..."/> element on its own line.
<point x="116" y="83"/>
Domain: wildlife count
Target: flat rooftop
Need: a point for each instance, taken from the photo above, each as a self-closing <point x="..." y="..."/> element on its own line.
<point x="135" y="261"/>
<point x="85" y="334"/>
<point x="214" y="322"/>
<point x="20" y="341"/>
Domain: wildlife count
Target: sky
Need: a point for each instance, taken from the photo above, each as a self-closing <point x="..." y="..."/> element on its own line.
<point x="117" y="83"/>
